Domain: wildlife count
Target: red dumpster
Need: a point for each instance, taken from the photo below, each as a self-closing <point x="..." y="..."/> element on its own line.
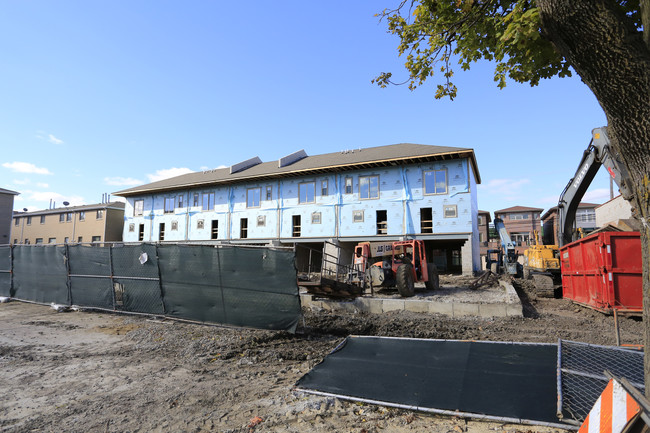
<point x="604" y="271"/>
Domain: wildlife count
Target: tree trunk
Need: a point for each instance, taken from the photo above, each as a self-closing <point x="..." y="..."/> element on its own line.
<point x="611" y="57"/>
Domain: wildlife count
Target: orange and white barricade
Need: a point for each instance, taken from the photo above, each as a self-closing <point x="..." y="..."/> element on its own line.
<point x="612" y="412"/>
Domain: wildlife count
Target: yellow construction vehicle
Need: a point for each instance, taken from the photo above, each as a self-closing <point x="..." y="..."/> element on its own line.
<point x="542" y="264"/>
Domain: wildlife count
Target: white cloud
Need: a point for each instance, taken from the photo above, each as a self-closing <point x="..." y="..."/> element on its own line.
<point x="42" y="185"/>
<point x="506" y="189"/>
<point x="22" y="182"/>
<point x="167" y="173"/>
<point x="52" y="139"/>
<point x="122" y="181"/>
<point x="46" y="196"/>
<point x="598" y="195"/>
<point x="25" y="167"/>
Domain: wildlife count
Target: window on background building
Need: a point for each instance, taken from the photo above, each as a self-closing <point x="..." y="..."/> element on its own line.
<point x="348" y="185"/>
<point x="15" y="241"/>
<point x="96" y="239"/>
<point x="253" y="196"/>
<point x="51" y="241"/>
<point x="196" y="201"/>
<point x="80" y="239"/>
<point x="169" y="204"/>
<point x="481" y="237"/>
<point x="16" y="221"/>
<point x="316" y="218"/>
<point x="141" y="232"/>
<point x="131" y="228"/>
<point x="357" y="216"/>
<point x="585" y="215"/>
<point x="269" y="193"/>
<point x="138" y="208"/>
<point x="208" y="201"/>
<point x="174" y="226"/>
<point x="200" y="224"/>
<point x="100" y="214"/>
<point x="39" y="240"/>
<point x="161" y="232"/>
<point x="66" y="240"/>
<point x="435" y="182"/>
<point x="26" y="241"/>
<point x="307" y="192"/>
<point x="180" y="202"/>
<point x="214" y="232"/>
<point x="518" y="216"/>
<point x="42" y="219"/>
<point x="368" y="187"/>
<point x="324" y="190"/>
<point x="29" y="221"/>
<point x="68" y="216"/>
<point x="61" y="217"/>
<point x="82" y="216"/>
<point x="450" y="211"/>
<point x="480" y="220"/>
<point x="520" y="239"/>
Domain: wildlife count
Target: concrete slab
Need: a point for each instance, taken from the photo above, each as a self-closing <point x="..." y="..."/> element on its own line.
<point x="392" y="305"/>
<point x="499" y="301"/>
<point x="465" y="309"/>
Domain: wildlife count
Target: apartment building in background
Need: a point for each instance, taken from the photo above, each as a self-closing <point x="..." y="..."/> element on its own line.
<point x="6" y="214"/>
<point x="385" y="193"/>
<point x="102" y="222"/>
<point x="585" y="220"/>
<point x="521" y="222"/>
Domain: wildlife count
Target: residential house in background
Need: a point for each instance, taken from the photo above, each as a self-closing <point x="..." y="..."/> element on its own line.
<point x="616" y="212"/>
<point x="521" y="222"/>
<point x="485" y="243"/>
<point x="585" y="219"/>
<point x="6" y="214"/>
<point x="384" y="193"/>
<point x="102" y="222"/>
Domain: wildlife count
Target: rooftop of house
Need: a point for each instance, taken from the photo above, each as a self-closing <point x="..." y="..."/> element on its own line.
<point x="581" y="205"/>
<point x="88" y="207"/>
<point x="8" y="191"/>
<point x="300" y="164"/>
<point x="515" y="209"/>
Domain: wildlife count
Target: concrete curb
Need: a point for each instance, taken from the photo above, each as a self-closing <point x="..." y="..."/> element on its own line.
<point x="510" y="307"/>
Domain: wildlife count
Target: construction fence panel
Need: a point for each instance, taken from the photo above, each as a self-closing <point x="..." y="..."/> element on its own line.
<point x="90" y="276"/>
<point x="249" y="287"/>
<point x="5" y="271"/>
<point x="136" y="283"/>
<point x="238" y="286"/>
<point x="581" y="377"/>
<point x="40" y="274"/>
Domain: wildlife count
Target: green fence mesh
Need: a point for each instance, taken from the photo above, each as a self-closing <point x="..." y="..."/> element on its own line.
<point x="40" y="274"/>
<point x="239" y="286"/>
<point x="5" y="271"/>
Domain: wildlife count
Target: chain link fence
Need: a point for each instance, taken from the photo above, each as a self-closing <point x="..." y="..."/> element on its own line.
<point x="232" y="285"/>
<point x="581" y="377"/>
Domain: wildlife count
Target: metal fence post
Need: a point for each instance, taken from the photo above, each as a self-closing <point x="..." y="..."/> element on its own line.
<point x="112" y="271"/>
<point x="160" y="282"/>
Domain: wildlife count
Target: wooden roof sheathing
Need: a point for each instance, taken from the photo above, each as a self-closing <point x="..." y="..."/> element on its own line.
<point x="368" y="158"/>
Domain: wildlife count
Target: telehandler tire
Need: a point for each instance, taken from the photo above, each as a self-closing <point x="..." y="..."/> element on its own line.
<point x="404" y="281"/>
<point x="434" y="278"/>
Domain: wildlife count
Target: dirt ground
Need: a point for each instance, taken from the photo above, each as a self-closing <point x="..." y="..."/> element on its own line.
<point x="100" y="372"/>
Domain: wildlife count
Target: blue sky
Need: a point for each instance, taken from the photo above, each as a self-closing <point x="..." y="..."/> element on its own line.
<point x="100" y="96"/>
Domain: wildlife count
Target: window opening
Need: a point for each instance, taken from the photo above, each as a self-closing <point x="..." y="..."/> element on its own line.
<point x="382" y="222"/>
<point x="295" y="226"/>
<point x="426" y="220"/>
<point x="435" y="182"/>
<point x="214" y="232"/>
<point x="243" y="228"/>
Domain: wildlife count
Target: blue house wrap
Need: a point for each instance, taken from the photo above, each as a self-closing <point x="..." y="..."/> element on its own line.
<point x="384" y="193"/>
